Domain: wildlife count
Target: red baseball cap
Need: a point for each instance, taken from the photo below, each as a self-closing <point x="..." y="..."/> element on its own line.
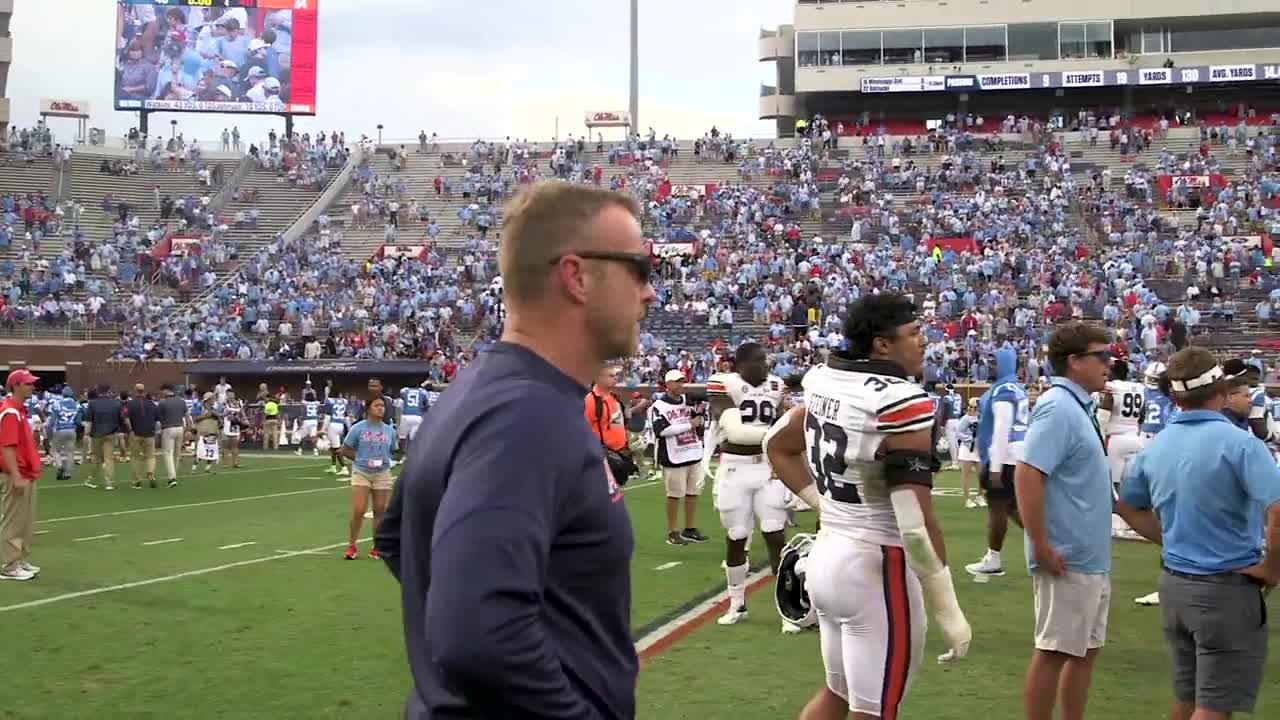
<point x="20" y="377"/>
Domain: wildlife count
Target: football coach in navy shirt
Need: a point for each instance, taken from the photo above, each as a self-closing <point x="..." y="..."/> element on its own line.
<point x="509" y="535"/>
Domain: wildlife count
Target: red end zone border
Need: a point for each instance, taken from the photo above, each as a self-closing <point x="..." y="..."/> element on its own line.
<point x="660" y="640"/>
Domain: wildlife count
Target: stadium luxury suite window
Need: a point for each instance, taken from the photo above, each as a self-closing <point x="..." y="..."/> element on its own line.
<point x="906" y="46"/>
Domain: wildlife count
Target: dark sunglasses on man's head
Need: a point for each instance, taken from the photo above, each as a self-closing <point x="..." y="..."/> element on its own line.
<point x="640" y="265"/>
<point x="1103" y="355"/>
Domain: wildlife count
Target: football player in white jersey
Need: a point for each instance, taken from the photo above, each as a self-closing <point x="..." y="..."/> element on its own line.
<point x="1120" y="414"/>
<point x="861" y="449"/>
<point x="744" y="405"/>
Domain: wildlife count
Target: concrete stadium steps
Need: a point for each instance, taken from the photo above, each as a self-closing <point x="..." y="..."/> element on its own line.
<point x="89" y="186"/>
<point x="279" y="205"/>
<point x="20" y="178"/>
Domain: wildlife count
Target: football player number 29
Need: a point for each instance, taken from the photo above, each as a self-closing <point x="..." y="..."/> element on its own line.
<point x="828" y="444"/>
<point x="753" y="411"/>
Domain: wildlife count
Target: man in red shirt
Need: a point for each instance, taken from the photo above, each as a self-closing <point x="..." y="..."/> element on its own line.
<point x="19" y="469"/>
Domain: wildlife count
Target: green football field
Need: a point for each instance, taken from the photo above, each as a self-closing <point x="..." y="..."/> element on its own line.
<point x="227" y="598"/>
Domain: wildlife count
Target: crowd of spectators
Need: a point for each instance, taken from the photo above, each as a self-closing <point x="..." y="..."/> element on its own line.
<point x="996" y="239"/>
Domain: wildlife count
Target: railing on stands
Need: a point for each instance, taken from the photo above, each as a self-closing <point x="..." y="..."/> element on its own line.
<point x="102" y="333"/>
<point x="219" y="201"/>
<point x="120" y="147"/>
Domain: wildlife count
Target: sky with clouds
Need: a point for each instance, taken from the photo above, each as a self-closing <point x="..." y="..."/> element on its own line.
<point x="486" y="68"/>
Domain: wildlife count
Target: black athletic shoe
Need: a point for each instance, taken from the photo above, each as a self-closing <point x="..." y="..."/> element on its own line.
<point x="675" y="538"/>
<point x="173" y="483"/>
<point x="692" y="535"/>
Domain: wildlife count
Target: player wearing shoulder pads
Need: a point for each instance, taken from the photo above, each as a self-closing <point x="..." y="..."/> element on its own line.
<point x="1120" y="414"/>
<point x="336" y="411"/>
<point x="953" y="409"/>
<point x="311" y="411"/>
<point x="744" y="405"/>
<point x="1157" y="408"/>
<point x="413" y="406"/>
<point x="863" y="443"/>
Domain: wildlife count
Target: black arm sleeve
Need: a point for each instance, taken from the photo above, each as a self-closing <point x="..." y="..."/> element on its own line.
<point x="909" y="467"/>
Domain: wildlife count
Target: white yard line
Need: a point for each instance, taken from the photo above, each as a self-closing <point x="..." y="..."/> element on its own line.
<point x="94" y="537"/>
<point x="166" y="578"/>
<point x="667" y="566"/>
<point x="186" y="505"/>
<point x="41" y="532"/>
<point x="237" y="545"/>
<point x="163" y="542"/>
<point x="79" y="485"/>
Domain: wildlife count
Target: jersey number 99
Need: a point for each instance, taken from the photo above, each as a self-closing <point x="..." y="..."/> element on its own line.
<point x="827" y="466"/>
<point x="1131" y="406"/>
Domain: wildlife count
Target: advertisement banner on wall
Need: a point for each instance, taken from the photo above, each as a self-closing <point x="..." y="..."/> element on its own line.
<point x="608" y="118"/>
<point x="65" y="108"/>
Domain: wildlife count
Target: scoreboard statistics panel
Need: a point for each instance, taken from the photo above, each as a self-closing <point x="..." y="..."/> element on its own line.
<point x="245" y="56"/>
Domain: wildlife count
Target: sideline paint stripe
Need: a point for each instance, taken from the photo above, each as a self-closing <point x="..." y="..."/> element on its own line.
<point x="167" y="578"/>
<point x="658" y="641"/>
<point x="163" y="542"/>
<point x="94" y="537"/>
<point x="237" y="545"/>
<point x="207" y="503"/>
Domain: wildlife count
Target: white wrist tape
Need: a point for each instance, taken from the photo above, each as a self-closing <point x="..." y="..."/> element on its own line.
<point x="811" y="497"/>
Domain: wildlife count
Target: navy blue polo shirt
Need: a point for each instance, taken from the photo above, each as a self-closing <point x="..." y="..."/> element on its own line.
<point x="514" y="553"/>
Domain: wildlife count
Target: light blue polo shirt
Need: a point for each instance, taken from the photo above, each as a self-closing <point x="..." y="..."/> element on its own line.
<point x="1063" y="443"/>
<point x="1209" y="482"/>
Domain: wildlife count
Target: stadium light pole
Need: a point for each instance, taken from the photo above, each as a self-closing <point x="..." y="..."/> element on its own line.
<point x="379" y="133"/>
<point x="635" y="66"/>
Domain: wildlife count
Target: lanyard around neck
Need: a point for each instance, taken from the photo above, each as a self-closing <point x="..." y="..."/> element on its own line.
<point x="1093" y="420"/>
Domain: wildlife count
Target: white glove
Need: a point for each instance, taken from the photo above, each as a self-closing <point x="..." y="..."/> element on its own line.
<point x="940" y="597"/>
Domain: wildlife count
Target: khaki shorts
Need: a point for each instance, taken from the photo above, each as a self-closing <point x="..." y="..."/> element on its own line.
<point x="375" y="481"/>
<point x="1071" y="611"/>
<point x="682" y="481"/>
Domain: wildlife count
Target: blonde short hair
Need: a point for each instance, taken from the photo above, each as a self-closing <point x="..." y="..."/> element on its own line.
<point x="540" y="223"/>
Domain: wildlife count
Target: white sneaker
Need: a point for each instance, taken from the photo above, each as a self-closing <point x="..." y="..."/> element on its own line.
<point x="790" y="628"/>
<point x="368" y="515"/>
<point x="970" y="503"/>
<point x="1148" y="600"/>
<point x="733" y="617"/>
<point x="982" y="502"/>
<point x="33" y="569"/>
<point x="298" y="452"/>
<point x="332" y="470"/>
<point x="986" y="566"/>
<point x="16" y="573"/>
<point x="953" y="466"/>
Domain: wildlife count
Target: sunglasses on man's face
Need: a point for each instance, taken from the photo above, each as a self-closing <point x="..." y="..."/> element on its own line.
<point x="640" y="265"/>
<point x="1103" y="355"/>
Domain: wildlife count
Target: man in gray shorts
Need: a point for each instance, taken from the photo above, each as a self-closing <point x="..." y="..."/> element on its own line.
<point x="1212" y="477"/>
